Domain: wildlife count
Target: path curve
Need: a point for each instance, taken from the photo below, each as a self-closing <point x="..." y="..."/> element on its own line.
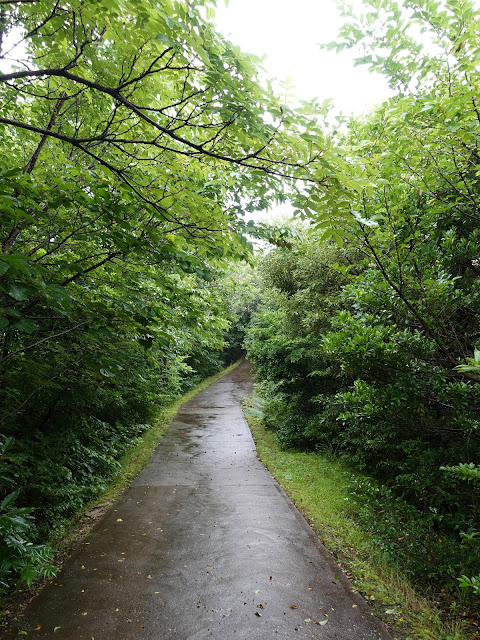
<point x="204" y="544"/>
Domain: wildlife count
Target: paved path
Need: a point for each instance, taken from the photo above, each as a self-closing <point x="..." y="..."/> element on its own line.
<point x="203" y="545"/>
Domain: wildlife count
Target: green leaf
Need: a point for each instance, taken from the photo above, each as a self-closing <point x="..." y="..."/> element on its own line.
<point x="106" y="373"/>
<point x="55" y="293"/>
<point x="4" y="267"/>
<point x="10" y="499"/>
<point x="11" y="173"/>
<point x="17" y="291"/>
<point x="25" y="325"/>
<point x="163" y="38"/>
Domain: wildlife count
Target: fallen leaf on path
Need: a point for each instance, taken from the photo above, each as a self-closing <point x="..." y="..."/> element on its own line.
<point x="293" y="606"/>
<point x="307" y="620"/>
<point x="38" y="627"/>
<point x="258" y="614"/>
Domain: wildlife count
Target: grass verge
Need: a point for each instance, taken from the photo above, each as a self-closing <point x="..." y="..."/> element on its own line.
<point x="318" y="486"/>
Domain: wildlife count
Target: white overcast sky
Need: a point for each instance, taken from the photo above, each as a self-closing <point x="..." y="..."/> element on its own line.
<point x="288" y="32"/>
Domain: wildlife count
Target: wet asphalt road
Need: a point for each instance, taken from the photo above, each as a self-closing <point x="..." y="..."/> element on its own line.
<point x="203" y="545"/>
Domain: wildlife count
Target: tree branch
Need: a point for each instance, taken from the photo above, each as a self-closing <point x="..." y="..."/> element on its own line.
<point x="35" y="344"/>
<point x="114" y="92"/>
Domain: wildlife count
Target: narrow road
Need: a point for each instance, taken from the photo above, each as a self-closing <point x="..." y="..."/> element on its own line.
<point x="203" y="545"/>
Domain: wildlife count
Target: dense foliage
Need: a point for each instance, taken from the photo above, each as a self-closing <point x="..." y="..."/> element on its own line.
<point x="362" y="349"/>
<point x="133" y="140"/>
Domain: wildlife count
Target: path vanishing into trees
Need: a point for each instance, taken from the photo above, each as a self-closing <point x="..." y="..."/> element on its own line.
<point x="204" y="544"/>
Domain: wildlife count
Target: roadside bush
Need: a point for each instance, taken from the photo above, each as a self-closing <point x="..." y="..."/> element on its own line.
<point x="346" y="370"/>
<point x="427" y="552"/>
<point x="19" y="556"/>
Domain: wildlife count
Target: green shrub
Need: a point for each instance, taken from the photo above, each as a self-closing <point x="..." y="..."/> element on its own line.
<point x="20" y="558"/>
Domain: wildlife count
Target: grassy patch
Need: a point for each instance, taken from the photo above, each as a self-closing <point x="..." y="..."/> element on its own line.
<point x="318" y="486"/>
